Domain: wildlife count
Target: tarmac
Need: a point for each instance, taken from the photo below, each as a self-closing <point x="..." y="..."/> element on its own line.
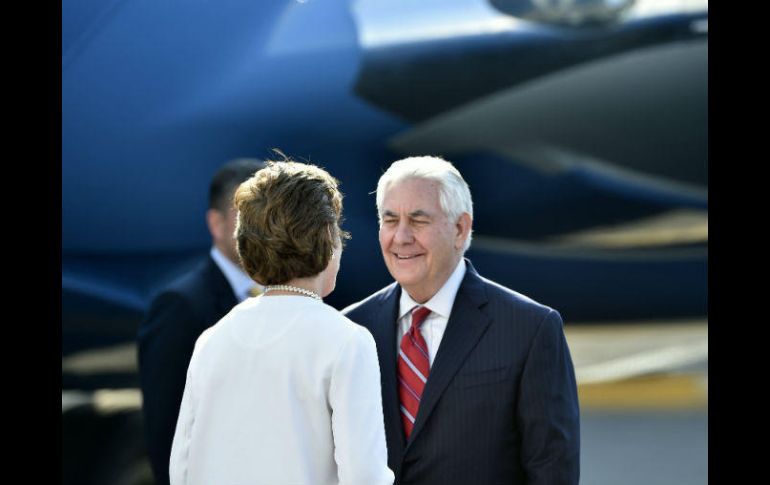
<point x="642" y="386"/>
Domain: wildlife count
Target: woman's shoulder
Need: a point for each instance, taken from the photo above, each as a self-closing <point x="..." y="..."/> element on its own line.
<point x="335" y="322"/>
<point x="334" y="317"/>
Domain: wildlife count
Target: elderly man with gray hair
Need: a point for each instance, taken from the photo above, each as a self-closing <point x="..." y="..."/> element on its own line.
<point x="477" y="381"/>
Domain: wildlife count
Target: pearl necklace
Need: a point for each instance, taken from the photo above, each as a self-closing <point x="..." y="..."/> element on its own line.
<point x="294" y="289"/>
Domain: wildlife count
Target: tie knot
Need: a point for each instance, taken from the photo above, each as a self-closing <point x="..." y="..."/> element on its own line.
<point x="419" y="315"/>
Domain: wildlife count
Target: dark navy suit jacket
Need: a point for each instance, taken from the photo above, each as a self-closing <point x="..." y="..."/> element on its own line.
<point x="177" y="317"/>
<point x="500" y="406"/>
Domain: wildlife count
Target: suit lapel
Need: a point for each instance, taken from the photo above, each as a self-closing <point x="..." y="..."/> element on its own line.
<point x="465" y="327"/>
<point x="384" y="334"/>
<point x="224" y="297"/>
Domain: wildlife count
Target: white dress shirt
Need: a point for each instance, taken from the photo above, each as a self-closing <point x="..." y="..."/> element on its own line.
<point x="440" y="306"/>
<point x="240" y="282"/>
<point x="284" y="390"/>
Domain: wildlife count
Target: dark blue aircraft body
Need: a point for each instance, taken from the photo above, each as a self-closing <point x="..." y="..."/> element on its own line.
<point x="561" y="124"/>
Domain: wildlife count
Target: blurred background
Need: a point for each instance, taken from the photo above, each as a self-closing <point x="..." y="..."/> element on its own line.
<point x="581" y="127"/>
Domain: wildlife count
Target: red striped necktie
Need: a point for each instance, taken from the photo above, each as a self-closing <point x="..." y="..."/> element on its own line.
<point x="413" y="369"/>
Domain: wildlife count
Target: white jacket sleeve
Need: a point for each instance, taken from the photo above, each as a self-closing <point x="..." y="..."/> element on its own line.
<point x="180" y="447"/>
<point x="357" y="421"/>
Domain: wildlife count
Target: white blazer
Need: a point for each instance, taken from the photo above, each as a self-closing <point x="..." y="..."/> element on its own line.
<point x="282" y="390"/>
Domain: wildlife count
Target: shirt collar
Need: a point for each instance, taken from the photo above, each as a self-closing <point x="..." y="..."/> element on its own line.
<point x="239" y="281"/>
<point x="441" y="303"/>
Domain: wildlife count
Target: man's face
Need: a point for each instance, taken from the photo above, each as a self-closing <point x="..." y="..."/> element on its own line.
<point x="420" y="245"/>
<point x="230" y="220"/>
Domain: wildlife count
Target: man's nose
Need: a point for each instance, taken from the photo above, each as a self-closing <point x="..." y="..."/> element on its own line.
<point x="403" y="234"/>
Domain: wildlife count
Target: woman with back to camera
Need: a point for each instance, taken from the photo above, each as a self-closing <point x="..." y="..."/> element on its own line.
<point x="284" y="389"/>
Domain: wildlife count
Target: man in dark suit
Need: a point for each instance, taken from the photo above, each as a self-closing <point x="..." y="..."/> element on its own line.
<point x="481" y="391"/>
<point x="184" y="309"/>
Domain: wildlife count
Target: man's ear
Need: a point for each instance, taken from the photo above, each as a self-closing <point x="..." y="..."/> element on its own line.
<point x="215" y="221"/>
<point x="463" y="226"/>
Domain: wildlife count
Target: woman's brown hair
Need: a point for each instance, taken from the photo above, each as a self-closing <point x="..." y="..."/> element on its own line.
<point x="289" y="216"/>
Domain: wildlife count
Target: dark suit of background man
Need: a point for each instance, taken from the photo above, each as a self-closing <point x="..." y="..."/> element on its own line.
<point x="183" y="310"/>
<point x="499" y="403"/>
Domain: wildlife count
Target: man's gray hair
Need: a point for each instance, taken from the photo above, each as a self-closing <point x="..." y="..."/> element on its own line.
<point x="454" y="194"/>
